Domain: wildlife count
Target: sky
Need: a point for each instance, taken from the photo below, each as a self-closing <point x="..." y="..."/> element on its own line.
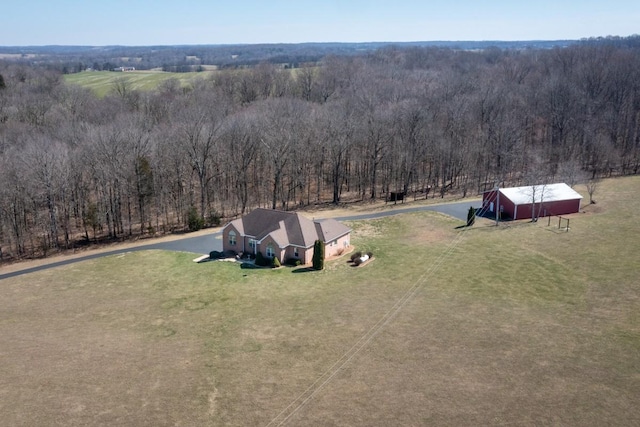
<point x="162" y="22"/>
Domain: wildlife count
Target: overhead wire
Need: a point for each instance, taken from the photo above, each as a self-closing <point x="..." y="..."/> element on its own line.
<point x="310" y="392"/>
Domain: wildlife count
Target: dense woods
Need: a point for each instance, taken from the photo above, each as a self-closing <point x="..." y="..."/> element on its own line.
<point x="423" y="122"/>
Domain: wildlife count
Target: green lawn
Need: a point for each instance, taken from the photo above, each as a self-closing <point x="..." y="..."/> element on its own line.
<point x="516" y="324"/>
<point x="101" y="82"/>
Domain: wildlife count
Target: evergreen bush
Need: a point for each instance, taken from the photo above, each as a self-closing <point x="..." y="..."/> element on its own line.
<point x="293" y="262"/>
<point x="261" y="260"/>
<point x="214" y="218"/>
<point x="318" y="255"/>
<point x="471" y="216"/>
<point x="194" y="221"/>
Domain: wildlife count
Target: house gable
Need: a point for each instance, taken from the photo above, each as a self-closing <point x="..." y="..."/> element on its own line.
<point x="288" y="232"/>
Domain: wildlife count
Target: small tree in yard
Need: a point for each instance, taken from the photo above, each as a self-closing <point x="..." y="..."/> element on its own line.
<point x="318" y="255"/>
<point x="592" y="185"/>
<point x="471" y="216"/>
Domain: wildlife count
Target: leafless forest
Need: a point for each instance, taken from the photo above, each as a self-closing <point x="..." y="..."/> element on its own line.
<point x="75" y="168"/>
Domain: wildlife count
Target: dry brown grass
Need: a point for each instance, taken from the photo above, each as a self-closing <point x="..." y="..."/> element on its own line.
<point x="480" y="326"/>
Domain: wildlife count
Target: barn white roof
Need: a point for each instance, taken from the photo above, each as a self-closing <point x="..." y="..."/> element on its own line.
<point x="542" y="192"/>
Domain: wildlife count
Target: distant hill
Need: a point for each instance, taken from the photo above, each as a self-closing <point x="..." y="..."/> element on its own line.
<point x="189" y="57"/>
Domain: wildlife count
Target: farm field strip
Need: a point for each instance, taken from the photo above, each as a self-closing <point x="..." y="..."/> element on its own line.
<point x="102" y="82"/>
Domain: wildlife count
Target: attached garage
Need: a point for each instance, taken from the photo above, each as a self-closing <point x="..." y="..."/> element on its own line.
<point x="532" y="201"/>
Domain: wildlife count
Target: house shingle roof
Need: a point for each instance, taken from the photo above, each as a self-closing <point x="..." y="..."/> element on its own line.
<point x="288" y="228"/>
<point x="330" y="229"/>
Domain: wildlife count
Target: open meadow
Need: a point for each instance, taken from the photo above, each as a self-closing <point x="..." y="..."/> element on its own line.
<point x="517" y="324"/>
<point x="102" y="82"/>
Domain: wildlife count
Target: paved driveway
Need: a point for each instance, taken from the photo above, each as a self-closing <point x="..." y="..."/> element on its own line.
<point x="457" y="210"/>
<point x="213" y="242"/>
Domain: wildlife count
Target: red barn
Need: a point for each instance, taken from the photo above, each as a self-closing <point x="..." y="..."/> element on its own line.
<point x="532" y="201"/>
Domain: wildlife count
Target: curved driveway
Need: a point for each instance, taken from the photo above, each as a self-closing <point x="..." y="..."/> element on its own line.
<point x="213" y="241"/>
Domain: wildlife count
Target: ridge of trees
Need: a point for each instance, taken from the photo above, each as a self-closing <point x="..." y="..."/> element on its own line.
<point x="185" y="58"/>
<point x="424" y="121"/>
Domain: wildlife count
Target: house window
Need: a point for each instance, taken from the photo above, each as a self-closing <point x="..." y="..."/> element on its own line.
<point x="295" y="252"/>
<point x="232" y="238"/>
<point x="252" y="243"/>
<point x="270" y="252"/>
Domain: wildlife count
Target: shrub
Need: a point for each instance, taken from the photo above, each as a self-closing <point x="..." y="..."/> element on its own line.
<point x="214" y="218"/>
<point x="293" y="262"/>
<point x="230" y="253"/>
<point x="261" y="260"/>
<point x="275" y="262"/>
<point x="194" y="221"/>
<point x="355" y="255"/>
<point x="248" y="265"/>
<point x="215" y="255"/>
<point x="358" y="261"/>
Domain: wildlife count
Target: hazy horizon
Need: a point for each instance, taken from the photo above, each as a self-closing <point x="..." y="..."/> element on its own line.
<point x="199" y="22"/>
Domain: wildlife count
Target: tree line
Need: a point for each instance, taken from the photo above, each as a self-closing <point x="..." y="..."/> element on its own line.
<point x="417" y="121"/>
<point x="183" y="58"/>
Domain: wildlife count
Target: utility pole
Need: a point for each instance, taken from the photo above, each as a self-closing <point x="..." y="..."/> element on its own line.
<point x="497" y="203"/>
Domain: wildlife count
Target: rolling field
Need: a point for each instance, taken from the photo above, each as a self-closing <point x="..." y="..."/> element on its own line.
<point x="101" y="82"/>
<point x="517" y="324"/>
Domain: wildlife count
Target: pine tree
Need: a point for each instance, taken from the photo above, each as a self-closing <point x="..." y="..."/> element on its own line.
<point x="318" y="255"/>
<point x="471" y="216"/>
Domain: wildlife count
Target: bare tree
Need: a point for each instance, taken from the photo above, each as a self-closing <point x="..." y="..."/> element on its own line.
<point x="46" y="163"/>
<point x="336" y="129"/>
<point x="279" y="130"/>
<point x="592" y="186"/>
<point x="198" y="131"/>
<point x="241" y="149"/>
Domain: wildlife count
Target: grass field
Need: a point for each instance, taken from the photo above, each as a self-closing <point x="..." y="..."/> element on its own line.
<point x="101" y="82"/>
<point x="517" y="324"/>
